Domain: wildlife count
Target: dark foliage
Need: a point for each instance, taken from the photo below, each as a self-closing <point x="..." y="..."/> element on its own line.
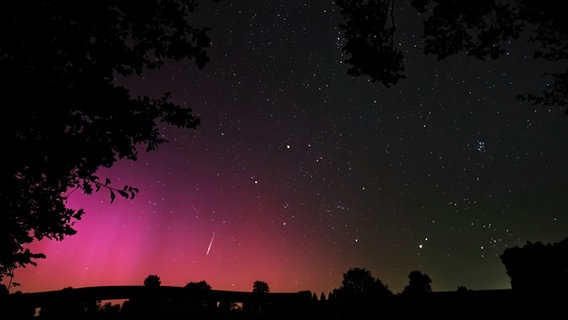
<point x="359" y="282"/>
<point x="418" y="284"/>
<point x="360" y="295"/>
<point x="369" y="40"/>
<point x="152" y="281"/>
<point x="480" y="29"/>
<point x="538" y="268"/>
<point x="198" y="286"/>
<point x="260" y="287"/>
<point x="64" y="115"/>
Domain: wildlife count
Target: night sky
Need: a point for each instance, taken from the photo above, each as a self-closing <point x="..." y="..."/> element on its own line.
<point x="299" y="171"/>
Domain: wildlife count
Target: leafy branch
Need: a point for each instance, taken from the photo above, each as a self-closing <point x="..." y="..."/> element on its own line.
<point x="127" y="192"/>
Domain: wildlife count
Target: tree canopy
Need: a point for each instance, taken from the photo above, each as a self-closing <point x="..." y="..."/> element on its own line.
<point x="537" y="267"/>
<point x="198" y="286"/>
<point x="418" y="283"/>
<point x="152" y="281"/>
<point x="361" y="295"/>
<point x="260" y="287"/>
<point x="480" y="29"/>
<point x="67" y="115"/>
<point x="359" y="284"/>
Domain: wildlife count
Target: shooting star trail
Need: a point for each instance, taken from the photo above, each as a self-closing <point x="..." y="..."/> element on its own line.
<point x="210" y="243"/>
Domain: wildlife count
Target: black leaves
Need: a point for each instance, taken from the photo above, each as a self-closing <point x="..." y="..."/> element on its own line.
<point x="537" y="267"/>
<point x="481" y="29"/>
<point x="67" y="115"/>
<point x="478" y="28"/>
<point x="127" y="192"/>
<point x="369" y="33"/>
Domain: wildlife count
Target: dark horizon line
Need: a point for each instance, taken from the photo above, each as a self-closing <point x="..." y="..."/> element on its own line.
<point x="102" y="287"/>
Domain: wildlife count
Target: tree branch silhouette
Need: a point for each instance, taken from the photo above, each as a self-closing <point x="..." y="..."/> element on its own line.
<point x="69" y="117"/>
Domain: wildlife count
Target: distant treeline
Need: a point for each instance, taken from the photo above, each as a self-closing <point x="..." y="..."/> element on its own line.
<point x="359" y="296"/>
<point x="539" y="288"/>
<point x="165" y="302"/>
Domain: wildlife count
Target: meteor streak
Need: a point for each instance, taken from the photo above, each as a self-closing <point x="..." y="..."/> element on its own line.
<point x="210" y="243"/>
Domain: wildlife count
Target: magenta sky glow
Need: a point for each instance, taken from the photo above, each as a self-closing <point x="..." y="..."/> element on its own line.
<point x="167" y="232"/>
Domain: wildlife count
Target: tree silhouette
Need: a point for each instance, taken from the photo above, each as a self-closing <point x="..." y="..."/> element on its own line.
<point x="68" y="116"/>
<point x="369" y="40"/>
<point x="197" y="299"/>
<point x="260" y="287"/>
<point x="537" y="267"/>
<point x="360" y="294"/>
<point x="198" y="286"/>
<point x="152" y="281"/>
<point x="480" y="29"/>
<point x="148" y="303"/>
<point x="462" y="289"/>
<point x="259" y="303"/>
<point x="418" y="284"/>
<point x="358" y="283"/>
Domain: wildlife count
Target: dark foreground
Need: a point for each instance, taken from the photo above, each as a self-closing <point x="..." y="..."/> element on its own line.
<point x="179" y="303"/>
